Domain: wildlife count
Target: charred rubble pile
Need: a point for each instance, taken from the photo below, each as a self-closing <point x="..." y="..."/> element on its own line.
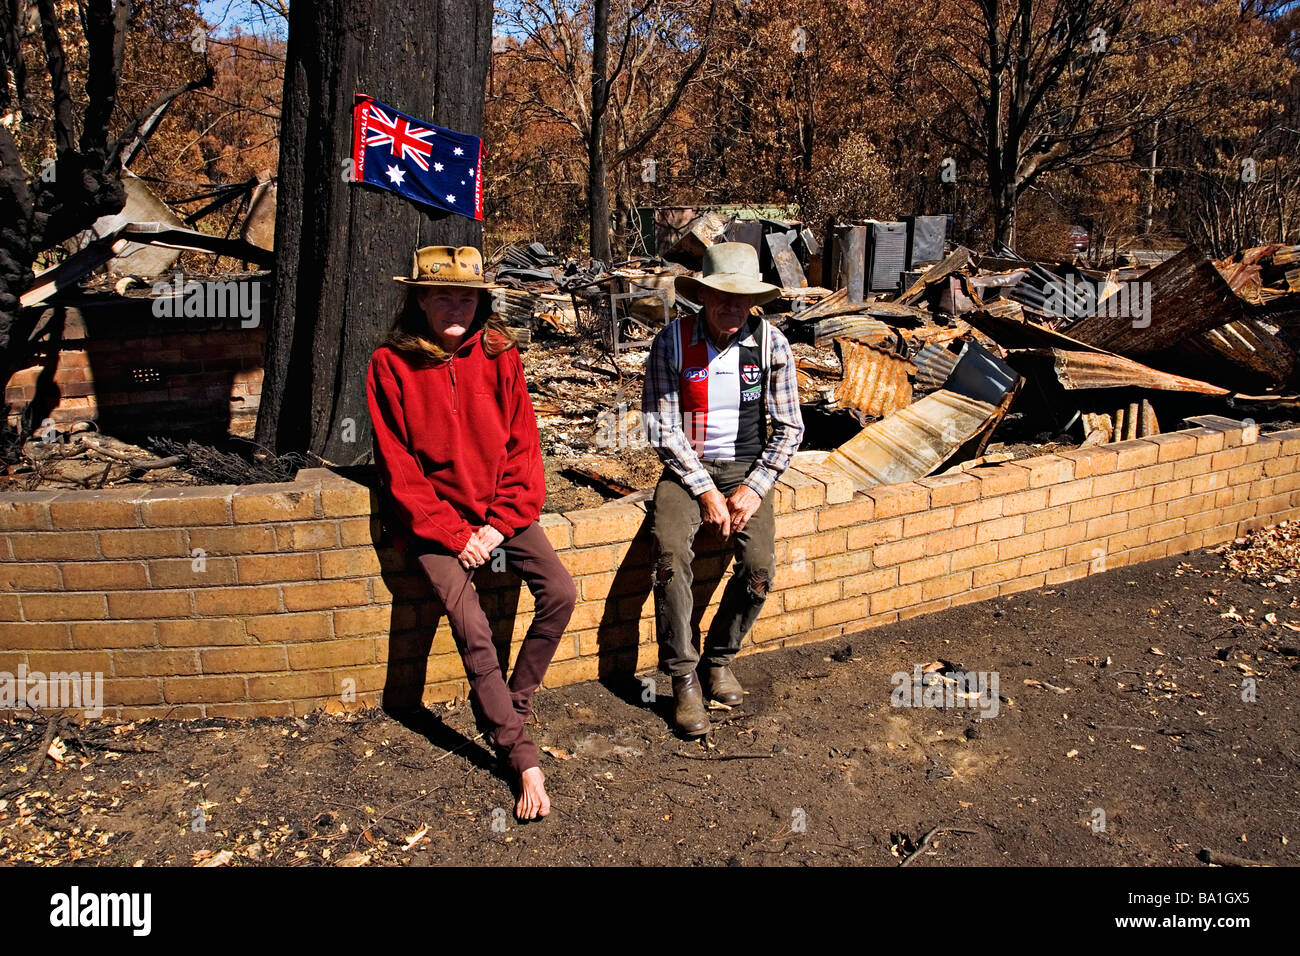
<point x="916" y="356"/>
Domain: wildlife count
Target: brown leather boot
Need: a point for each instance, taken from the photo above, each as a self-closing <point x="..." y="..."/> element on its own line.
<point x="689" y="715"/>
<point x="723" y="686"/>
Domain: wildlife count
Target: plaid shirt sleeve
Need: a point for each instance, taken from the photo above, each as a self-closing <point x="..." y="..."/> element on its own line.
<point x="783" y="411"/>
<point x="661" y="412"/>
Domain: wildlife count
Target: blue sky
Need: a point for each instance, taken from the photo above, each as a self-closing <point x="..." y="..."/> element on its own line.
<point x="225" y="14"/>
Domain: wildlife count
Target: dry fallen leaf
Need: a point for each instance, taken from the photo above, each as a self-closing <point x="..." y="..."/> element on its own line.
<point x="416" y="837"/>
<point x="558" y="753"/>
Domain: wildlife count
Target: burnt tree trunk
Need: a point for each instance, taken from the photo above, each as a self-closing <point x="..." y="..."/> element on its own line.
<point x="597" y="188"/>
<point x="337" y="243"/>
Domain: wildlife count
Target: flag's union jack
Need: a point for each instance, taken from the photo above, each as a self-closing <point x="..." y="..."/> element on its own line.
<point x="399" y="136"/>
<point x="432" y="165"/>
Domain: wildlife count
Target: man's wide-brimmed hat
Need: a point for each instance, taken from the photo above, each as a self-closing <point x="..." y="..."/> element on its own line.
<point x="447" y="265"/>
<point x="729" y="267"/>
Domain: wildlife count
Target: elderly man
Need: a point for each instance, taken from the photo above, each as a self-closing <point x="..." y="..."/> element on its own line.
<point x="713" y="384"/>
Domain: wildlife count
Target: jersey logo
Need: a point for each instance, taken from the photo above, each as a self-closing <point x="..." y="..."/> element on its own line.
<point x="749" y="374"/>
<point x="696" y="374"/>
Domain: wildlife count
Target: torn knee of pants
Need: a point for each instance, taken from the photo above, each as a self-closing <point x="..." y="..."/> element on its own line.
<point x="663" y="571"/>
<point x="758" y="583"/>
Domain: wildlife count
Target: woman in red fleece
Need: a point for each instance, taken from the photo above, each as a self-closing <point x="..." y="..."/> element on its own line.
<point x="459" y="455"/>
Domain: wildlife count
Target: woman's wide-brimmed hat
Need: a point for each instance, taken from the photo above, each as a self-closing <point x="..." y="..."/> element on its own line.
<point x="447" y="265"/>
<point x="729" y="267"/>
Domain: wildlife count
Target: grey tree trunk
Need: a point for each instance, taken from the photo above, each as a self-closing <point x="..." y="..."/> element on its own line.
<point x="338" y="244"/>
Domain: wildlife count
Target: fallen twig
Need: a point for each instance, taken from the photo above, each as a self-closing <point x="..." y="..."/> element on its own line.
<point x="925" y="841"/>
<point x="1220" y="858"/>
<point x="142" y="463"/>
<point x="729" y="757"/>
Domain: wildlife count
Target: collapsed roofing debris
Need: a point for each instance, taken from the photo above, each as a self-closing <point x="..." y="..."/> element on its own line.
<point x="922" y="364"/>
<point x="912" y="442"/>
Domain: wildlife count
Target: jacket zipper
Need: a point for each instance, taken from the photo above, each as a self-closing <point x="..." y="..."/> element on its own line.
<point x="452" y="368"/>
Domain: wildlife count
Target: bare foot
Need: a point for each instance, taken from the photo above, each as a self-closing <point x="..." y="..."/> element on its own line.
<point x="533" y="801"/>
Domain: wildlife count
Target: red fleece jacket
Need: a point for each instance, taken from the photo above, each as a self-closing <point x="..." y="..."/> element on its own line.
<point x="457" y="443"/>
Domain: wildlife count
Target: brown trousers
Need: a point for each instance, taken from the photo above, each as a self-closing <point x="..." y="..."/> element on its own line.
<point x="506" y="709"/>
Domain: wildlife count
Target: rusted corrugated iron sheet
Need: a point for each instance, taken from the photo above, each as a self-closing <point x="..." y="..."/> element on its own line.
<point x="875" y="380"/>
<point x="1188" y="297"/>
<point x="860" y="328"/>
<point x="913" y="442"/>
<point x="934" y="364"/>
<point x="1249" y="344"/>
<point x="1077" y="370"/>
<point x="1245" y="355"/>
<point x="1044" y="291"/>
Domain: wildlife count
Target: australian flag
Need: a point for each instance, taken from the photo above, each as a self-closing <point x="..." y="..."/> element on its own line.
<point x="432" y="165"/>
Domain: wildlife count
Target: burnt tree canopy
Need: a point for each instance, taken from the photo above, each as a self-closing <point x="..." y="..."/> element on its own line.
<point x="339" y="243"/>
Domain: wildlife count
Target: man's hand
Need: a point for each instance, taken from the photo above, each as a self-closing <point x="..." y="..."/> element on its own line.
<point x="713" y="509"/>
<point x="480" y="546"/>
<point x="742" y="504"/>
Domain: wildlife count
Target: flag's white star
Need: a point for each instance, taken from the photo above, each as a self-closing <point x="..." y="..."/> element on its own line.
<point x="462" y="182"/>
<point x="396" y="175"/>
<point x="458" y="151"/>
<point x="450" y="198"/>
<point x="437" y="167"/>
<point x="471" y="174"/>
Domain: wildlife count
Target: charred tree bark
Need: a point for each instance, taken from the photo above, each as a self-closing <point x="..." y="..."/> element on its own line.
<point x="597" y="188"/>
<point x="338" y="244"/>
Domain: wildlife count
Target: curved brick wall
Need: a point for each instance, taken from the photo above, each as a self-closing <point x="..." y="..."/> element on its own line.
<point x="292" y="602"/>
